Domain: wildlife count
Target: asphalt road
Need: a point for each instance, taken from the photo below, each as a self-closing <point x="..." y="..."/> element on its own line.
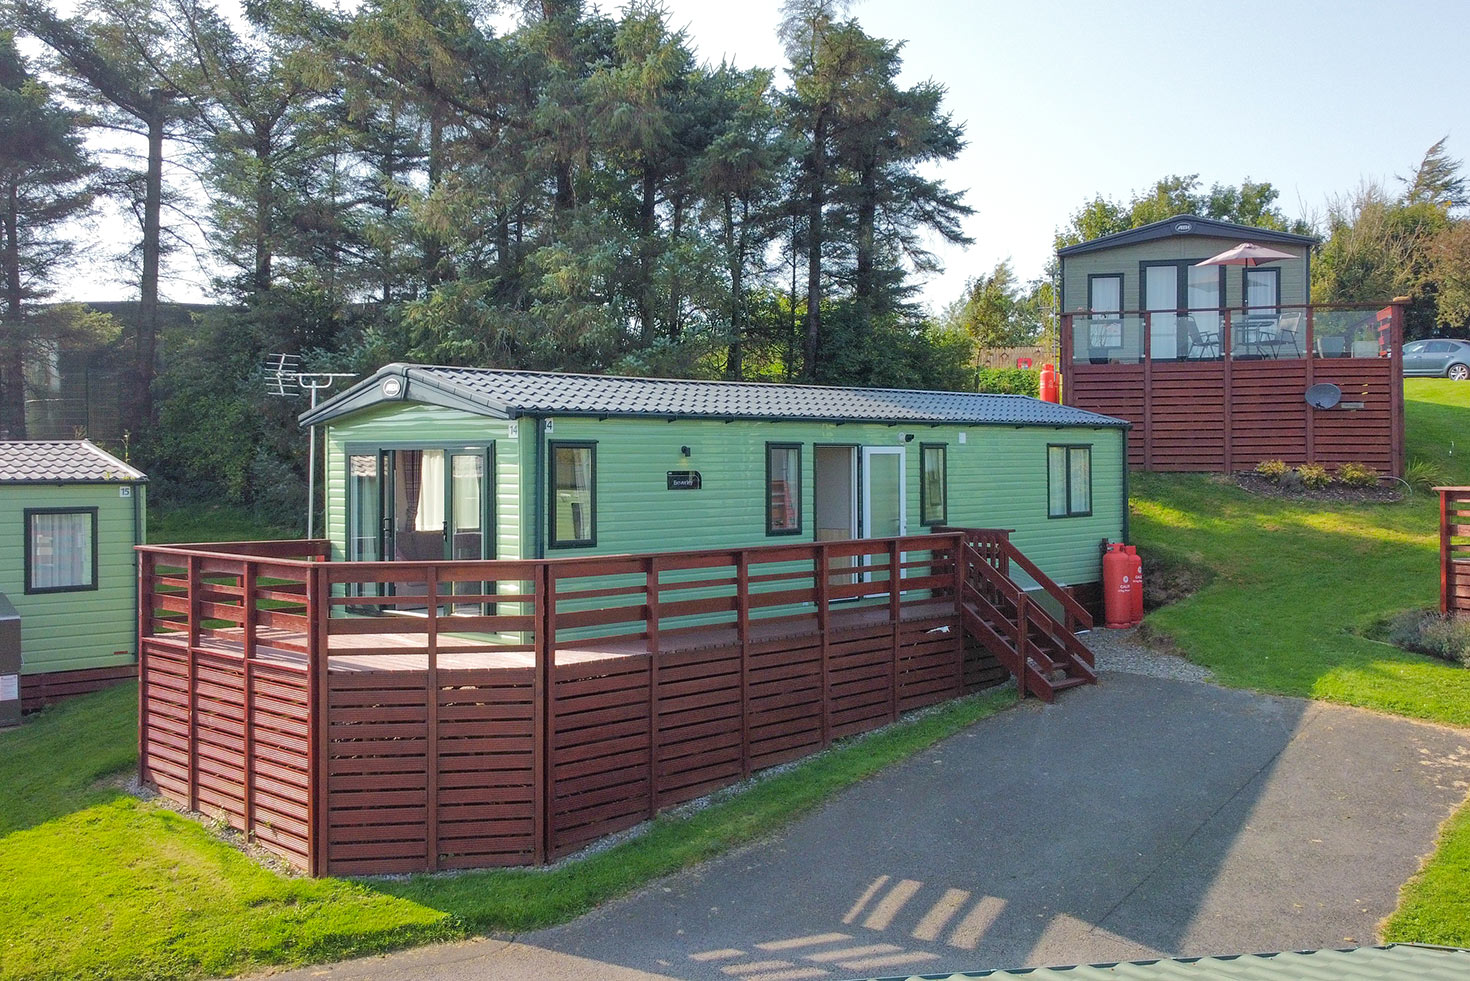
<point x="1141" y="817"/>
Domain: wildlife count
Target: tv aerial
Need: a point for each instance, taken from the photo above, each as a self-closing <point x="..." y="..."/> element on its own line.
<point x="285" y="379"/>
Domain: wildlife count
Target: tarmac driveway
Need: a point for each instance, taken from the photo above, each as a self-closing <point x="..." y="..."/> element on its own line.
<point x="1137" y="818"/>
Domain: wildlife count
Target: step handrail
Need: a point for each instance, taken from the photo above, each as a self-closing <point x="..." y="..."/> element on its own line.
<point x="1037" y="616"/>
<point x="999" y="539"/>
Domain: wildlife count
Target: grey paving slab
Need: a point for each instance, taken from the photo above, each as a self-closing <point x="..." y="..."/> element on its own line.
<point x="1142" y="817"/>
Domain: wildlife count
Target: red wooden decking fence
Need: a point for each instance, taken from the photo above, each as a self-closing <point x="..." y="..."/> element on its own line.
<point x="1454" y="550"/>
<point x="391" y="717"/>
<point x="1228" y="412"/>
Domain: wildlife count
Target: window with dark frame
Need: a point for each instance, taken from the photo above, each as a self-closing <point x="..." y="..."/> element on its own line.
<point x="573" y="494"/>
<point x="1261" y="289"/>
<point x="1068" y="481"/>
<point x="60" y="549"/>
<point x="933" y="484"/>
<point x="783" y="488"/>
<point x="1105" y="302"/>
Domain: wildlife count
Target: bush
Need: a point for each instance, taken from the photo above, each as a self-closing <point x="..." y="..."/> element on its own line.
<point x="1430" y="632"/>
<point x="1008" y="381"/>
<point x="1313" y="476"/>
<point x="1272" y="470"/>
<point x="1357" y="475"/>
<point x="1425" y="475"/>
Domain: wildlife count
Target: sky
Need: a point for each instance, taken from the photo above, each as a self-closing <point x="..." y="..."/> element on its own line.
<point x="1063" y="101"/>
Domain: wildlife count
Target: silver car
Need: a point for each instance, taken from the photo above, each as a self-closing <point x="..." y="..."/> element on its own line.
<point x="1441" y="358"/>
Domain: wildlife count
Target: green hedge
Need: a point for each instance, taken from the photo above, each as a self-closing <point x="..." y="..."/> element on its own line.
<point x="1008" y="381"/>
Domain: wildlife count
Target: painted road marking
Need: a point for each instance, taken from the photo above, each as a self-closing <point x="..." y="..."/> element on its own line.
<point x="940" y="914"/>
<point x="889" y="906"/>
<point x="755" y="966"/>
<point x="796" y="974"/>
<point x="868" y="894"/>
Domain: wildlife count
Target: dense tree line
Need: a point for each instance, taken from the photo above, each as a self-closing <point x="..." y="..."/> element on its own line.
<point x="534" y="184"/>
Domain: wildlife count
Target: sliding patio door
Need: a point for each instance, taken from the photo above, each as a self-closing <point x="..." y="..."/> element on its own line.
<point x="1172" y="290"/>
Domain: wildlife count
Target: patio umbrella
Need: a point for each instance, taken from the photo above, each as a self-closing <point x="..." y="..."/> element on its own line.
<point x="1245" y="254"/>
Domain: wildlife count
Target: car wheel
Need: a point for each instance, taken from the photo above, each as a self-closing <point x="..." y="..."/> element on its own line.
<point x="1457" y="372"/>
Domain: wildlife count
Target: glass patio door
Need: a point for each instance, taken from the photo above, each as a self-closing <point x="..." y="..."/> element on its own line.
<point x="1161" y="299"/>
<point x="883" y="497"/>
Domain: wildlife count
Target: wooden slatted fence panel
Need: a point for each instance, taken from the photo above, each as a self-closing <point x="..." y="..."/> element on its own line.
<point x="1185" y="425"/>
<point x="600" y="749"/>
<point x="930" y="662"/>
<point x="377" y="771"/>
<point x="486" y="799"/>
<point x="1454" y="550"/>
<point x="697" y="723"/>
<point x="786" y="700"/>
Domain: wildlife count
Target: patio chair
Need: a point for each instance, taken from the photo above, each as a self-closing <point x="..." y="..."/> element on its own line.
<point x="1201" y="345"/>
<point x="1288" y="327"/>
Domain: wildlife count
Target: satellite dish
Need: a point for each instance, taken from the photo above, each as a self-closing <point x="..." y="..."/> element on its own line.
<point x="1324" y="396"/>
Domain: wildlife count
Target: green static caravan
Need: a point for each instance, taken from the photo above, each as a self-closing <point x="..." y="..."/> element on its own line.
<point x="70" y="514"/>
<point x="426" y="463"/>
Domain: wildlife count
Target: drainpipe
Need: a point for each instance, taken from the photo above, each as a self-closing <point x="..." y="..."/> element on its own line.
<point x="137" y="572"/>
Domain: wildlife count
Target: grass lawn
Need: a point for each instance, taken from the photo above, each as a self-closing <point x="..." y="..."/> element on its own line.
<point x="1296" y="585"/>
<point x="211" y="524"/>
<point x="101" y="885"/>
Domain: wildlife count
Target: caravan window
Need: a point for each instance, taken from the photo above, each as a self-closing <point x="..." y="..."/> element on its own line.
<point x="573" y="494"/>
<point x="783" y="488"/>
<point x="60" y="549"/>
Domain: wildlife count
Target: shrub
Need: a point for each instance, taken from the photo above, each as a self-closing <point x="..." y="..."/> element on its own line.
<point x="1313" y="476"/>
<point x="1430" y="632"/>
<point x="1008" y="381"/>
<point x="1357" y="475"/>
<point x="1425" y="475"/>
<point x="1272" y="470"/>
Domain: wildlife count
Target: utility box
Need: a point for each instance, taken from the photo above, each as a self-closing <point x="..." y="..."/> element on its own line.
<point x="9" y="664"/>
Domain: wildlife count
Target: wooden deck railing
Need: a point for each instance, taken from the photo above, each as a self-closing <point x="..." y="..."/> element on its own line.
<point x="1454" y="550"/>
<point x="399" y="716"/>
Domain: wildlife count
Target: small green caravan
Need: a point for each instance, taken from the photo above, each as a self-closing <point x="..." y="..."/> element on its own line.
<point x="426" y="462"/>
<point x="71" y="514"/>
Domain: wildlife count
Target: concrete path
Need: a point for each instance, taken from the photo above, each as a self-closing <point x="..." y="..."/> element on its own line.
<point x="1141" y="817"/>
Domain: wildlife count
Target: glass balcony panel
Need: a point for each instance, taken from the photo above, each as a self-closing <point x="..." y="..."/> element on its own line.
<point x="1107" y="339"/>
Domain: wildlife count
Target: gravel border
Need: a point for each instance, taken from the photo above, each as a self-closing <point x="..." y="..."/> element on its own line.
<point x="1125" y="652"/>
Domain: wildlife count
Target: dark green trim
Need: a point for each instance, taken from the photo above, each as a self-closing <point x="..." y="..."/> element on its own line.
<point x="26" y="547"/>
<point x="1067" y="471"/>
<point x="770" y="531"/>
<point x="551" y="447"/>
<point x="943" y="519"/>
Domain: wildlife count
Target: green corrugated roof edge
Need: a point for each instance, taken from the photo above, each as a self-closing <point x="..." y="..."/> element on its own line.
<point x="1390" y="962"/>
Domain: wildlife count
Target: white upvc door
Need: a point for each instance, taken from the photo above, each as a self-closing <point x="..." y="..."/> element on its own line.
<point x="885" y="498"/>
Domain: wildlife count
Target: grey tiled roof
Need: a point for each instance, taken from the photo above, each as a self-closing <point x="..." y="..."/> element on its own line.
<point x="1393" y="962"/>
<point x="60" y="461"/>
<point x="508" y="394"/>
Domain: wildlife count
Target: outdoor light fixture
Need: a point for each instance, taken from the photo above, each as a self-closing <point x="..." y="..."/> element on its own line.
<point x="684" y="450"/>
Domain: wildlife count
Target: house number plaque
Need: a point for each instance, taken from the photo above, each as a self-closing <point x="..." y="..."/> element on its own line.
<point x="684" y="480"/>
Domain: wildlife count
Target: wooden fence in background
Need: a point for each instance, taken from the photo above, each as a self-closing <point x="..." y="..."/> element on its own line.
<point x="361" y="718"/>
<point x="1454" y="550"/>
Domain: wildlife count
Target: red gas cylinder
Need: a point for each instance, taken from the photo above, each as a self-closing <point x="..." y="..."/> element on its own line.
<point x="1136" y="562"/>
<point x="1050" y="390"/>
<point x="1117" y="587"/>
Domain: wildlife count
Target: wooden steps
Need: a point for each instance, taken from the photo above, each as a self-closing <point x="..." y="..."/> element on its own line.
<point x="1043" y="655"/>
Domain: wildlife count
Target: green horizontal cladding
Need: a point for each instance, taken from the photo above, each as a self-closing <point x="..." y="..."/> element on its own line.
<point x="1125" y="259"/>
<point x="73" y="630"/>
<point x="997" y="478"/>
<point x="407" y="424"/>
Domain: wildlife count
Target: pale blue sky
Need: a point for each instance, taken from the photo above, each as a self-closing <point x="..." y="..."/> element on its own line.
<point x="1063" y="100"/>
